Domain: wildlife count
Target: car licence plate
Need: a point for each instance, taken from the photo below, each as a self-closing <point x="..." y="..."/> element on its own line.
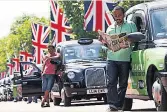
<point x="96" y="91"/>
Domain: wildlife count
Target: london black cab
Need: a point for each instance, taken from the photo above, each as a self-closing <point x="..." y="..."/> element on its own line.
<point x="82" y="75"/>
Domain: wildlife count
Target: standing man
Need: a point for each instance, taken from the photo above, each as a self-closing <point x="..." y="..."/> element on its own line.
<point x="118" y="63"/>
<point x="48" y="73"/>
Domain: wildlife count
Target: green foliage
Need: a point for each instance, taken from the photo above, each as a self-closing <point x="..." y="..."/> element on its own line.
<point x="3" y="54"/>
<point x="22" y="29"/>
<point x="19" y="37"/>
<point x="129" y="3"/>
<point x="74" y="11"/>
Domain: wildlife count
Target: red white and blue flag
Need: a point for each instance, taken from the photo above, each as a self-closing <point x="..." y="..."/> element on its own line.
<point x="97" y="14"/>
<point x="2" y="74"/>
<point x="59" y="24"/>
<point x="40" y="40"/>
<point x="16" y="66"/>
<point x="27" y="57"/>
<point x="10" y="67"/>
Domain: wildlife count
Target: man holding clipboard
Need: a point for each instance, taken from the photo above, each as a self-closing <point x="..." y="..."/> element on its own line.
<point x="118" y="62"/>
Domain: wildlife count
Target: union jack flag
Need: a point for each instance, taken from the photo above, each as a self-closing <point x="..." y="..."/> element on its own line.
<point x="25" y="56"/>
<point x="59" y="24"/>
<point x="0" y="75"/>
<point x="40" y="40"/>
<point x="16" y="64"/>
<point x="10" y="68"/>
<point x="97" y="14"/>
<point x="3" y="74"/>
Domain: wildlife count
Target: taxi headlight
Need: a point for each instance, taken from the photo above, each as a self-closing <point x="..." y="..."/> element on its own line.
<point x="71" y="75"/>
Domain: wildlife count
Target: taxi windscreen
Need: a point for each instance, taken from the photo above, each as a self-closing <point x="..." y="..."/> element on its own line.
<point x="83" y="52"/>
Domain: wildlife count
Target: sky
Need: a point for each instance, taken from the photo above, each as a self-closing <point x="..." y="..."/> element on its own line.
<point x="11" y="9"/>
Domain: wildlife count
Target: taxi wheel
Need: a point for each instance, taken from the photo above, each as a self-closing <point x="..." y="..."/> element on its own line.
<point x="99" y="98"/>
<point x="56" y="101"/>
<point x="5" y="99"/>
<point x="127" y="104"/>
<point x="159" y="95"/>
<point x="51" y="100"/>
<point x="67" y="100"/>
<point x="20" y="98"/>
<point x="25" y="99"/>
<point x="105" y="99"/>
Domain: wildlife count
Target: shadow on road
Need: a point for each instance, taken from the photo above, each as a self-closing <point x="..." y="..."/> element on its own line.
<point x="86" y="103"/>
<point x="150" y="109"/>
<point x="77" y="103"/>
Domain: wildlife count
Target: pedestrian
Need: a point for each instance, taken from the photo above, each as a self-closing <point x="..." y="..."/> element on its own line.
<point x="48" y="74"/>
<point x="34" y="99"/>
<point x="118" y="63"/>
<point x="30" y="72"/>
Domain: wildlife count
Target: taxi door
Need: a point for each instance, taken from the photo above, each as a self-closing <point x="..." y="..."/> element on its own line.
<point x="137" y="74"/>
<point x="30" y="79"/>
<point x="138" y="70"/>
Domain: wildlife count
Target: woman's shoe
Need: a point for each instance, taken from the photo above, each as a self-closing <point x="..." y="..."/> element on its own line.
<point x="42" y="105"/>
<point x="47" y="105"/>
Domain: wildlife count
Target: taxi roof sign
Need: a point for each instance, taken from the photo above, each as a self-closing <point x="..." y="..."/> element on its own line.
<point x="85" y="41"/>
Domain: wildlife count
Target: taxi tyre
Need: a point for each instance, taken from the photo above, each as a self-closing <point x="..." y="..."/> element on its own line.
<point x="51" y="100"/>
<point x="56" y="101"/>
<point x="67" y="100"/>
<point x="25" y="99"/>
<point x="99" y="98"/>
<point x="105" y="99"/>
<point x="5" y="98"/>
<point x="162" y="106"/>
<point x="11" y="99"/>
<point x="127" y="106"/>
<point x="20" y="99"/>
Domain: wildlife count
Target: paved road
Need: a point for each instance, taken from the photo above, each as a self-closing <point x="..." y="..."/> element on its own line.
<point x="85" y="106"/>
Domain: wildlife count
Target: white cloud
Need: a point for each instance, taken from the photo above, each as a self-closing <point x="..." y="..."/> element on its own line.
<point x="10" y="9"/>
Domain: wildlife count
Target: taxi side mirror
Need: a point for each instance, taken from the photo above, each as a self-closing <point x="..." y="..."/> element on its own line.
<point x="58" y="50"/>
<point x="37" y="74"/>
<point x="136" y="36"/>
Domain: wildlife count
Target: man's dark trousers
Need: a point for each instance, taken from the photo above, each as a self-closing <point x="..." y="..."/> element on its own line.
<point x="117" y="73"/>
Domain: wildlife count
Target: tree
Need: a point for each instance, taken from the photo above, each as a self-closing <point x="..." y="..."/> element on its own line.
<point x="22" y="29"/>
<point x="19" y="37"/>
<point x="3" y="54"/>
<point x="129" y="3"/>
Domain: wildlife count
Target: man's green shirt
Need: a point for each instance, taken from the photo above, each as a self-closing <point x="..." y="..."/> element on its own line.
<point x="123" y="54"/>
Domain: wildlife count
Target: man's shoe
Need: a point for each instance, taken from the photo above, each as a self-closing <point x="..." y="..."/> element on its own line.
<point x="110" y="109"/>
<point x="35" y="101"/>
<point x="28" y="102"/>
<point x="120" y="108"/>
<point x="15" y="100"/>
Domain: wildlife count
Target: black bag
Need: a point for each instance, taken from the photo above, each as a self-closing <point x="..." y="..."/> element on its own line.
<point x="58" y="65"/>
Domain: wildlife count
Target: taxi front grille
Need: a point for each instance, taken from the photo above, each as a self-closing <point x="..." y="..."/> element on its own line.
<point x="95" y="77"/>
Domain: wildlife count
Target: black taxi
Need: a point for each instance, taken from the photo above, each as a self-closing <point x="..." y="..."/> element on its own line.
<point x="82" y="74"/>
